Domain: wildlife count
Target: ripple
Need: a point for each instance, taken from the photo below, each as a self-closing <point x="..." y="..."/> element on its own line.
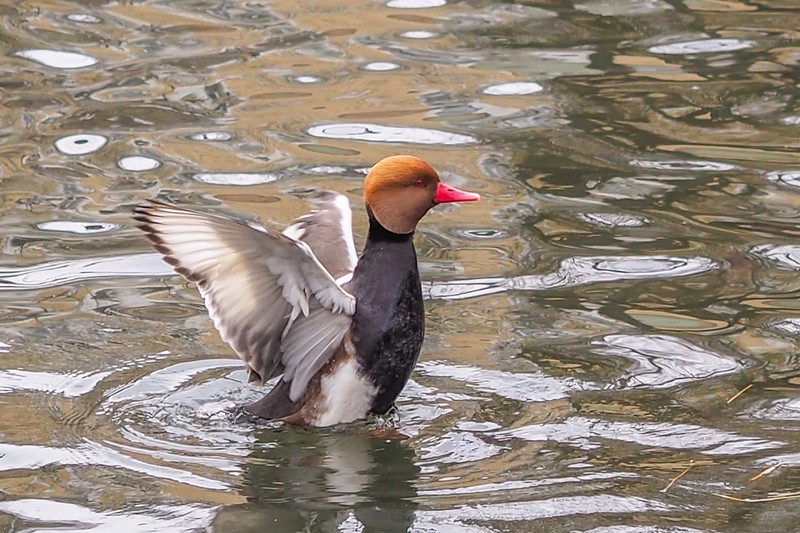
<point x="80" y="144"/>
<point x="702" y="166"/>
<point x="306" y="79"/>
<point x="53" y="274"/>
<point x="153" y="519"/>
<point x="138" y="163"/>
<point x="415" y="4"/>
<point x="645" y="529"/>
<point x="625" y="8"/>
<point x="84" y="18"/>
<point x="213" y="136"/>
<point x="789" y="326"/>
<point x="514" y="88"/>
<point x="57" y="58"/>
<point x="67" y="385"/>
<point x="614" y="220"/>
<point x="785" y="177"/>
<point x="381" y="66"/>
<point x="661" y="361"/>
<point x="483" y="233"/>
<point x="576" y="271"/>
<point x="784" y="409"/>
<point x="528" y="387"/>
<point x="327" y="170"/>
<point x="88" y="453"/>
<point x="418" y="34"/>
<point x="236" y="178"/>
<point x="666" y="320"/>
<point x="701" y="46"/>
<point x="388" y="134"/>
<point x="167" y="379"/>
<point x="457" y="447"/>
<point x="588" y="434"/>
<point x="80" y="228"/>
<point x="526" y="484"/>
<point x="525" y="512"/>
<point x="180" y="413"/>
<point x="785" y="256"/>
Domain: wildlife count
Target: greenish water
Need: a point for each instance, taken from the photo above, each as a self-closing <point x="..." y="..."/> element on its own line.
<point x="612" y="332"/>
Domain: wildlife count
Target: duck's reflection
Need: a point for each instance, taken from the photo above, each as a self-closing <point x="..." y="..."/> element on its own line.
<point x="298" y="480"/>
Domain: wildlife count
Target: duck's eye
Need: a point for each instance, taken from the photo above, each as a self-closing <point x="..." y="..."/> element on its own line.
<point x="420" y="183"/>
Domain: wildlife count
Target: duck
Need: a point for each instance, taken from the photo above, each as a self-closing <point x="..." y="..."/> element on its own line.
<point x="340" y="332"/>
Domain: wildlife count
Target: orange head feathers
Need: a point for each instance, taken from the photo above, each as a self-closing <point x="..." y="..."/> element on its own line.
<point x="400" y="189"/>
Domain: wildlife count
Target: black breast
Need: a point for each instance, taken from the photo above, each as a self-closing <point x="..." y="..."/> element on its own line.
<point x="389" y="323"/>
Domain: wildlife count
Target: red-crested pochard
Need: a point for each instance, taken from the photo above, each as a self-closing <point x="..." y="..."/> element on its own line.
<point x="344" y="333"/>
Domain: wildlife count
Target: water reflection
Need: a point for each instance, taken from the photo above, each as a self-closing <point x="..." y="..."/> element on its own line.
<point x="701" y="46"/>
<point x="80" y="144"/>
<point x="64" y="272"/>
<point x="621" y="304"/>
<point x="577" y="271"/>
<point x="517" y="386"/>
<point x="57" y="516"/>
<point x="334" y="482"/>
<point x="58" y="58"/>
<point x="587" y="434"/>
<point x="514" y="88"/>
<point x="389" y="134"/>
<point x="79" y="228"/>
<point x="235" y="178"/>
<point x="91" y="455"/>
<point x="138" y="163"/>
<point x="785" y="256"/>
<point x="664" y="361"/>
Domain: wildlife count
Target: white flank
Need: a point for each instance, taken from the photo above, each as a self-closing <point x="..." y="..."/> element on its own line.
<point x="343" y="205"/>
<point x="347" y="395"/>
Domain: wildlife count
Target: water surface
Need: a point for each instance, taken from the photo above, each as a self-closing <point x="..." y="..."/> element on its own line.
<point x="611" y="332"/>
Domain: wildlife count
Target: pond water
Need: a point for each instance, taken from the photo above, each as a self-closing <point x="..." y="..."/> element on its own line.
<point x="612" y="337"/>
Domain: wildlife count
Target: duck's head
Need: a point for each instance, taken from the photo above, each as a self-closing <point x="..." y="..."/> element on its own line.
<point x="400" y="189"/>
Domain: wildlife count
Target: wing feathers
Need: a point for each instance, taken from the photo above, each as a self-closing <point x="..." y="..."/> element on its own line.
<point x="267" y="294"/>
<point x="313" y="339"/>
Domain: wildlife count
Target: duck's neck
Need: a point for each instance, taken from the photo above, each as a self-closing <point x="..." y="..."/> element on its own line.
<point x="386" y="259"/>
<point x="377" y="233"/>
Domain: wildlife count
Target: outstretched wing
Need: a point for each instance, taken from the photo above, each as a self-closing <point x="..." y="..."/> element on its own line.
<point x="262" y="290"/>
<point x="328" y="231"/>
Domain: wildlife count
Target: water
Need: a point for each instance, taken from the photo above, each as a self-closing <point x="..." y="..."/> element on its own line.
<point x="611" y="332"/>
